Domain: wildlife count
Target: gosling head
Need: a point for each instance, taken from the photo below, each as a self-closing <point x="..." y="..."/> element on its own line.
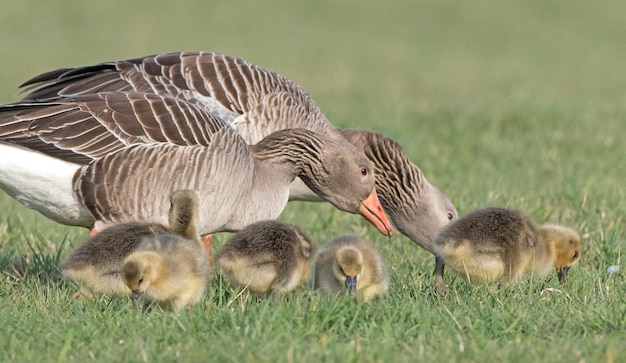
<point x="139" y="271"/>
<point x="567" y="248"/>
<point x="347" y="267"/>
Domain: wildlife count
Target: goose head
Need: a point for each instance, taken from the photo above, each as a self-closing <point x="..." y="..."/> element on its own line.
<point x="417" y="208"/>
<point x="567" y="248"/>
<point x="422" y="219"/>
<point x="344" y="176"/>
<point x="332" y="168"/>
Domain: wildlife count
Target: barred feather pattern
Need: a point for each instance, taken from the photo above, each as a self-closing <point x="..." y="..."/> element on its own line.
<point x="136" y="182"/>
<point x="417" y="208"/>
<point x="398" y="181"/>
<point x="305" y="153"/>
<point x="249" y="97"/>
<point x="305" y="147"/>
<point x="321" y="162"/>
<point x="256" y="102"/>
<point x="236" y="184"/>
<point x="93" y="125"/>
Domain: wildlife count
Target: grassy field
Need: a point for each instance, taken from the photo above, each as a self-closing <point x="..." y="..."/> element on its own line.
<point x="517" y="104"/>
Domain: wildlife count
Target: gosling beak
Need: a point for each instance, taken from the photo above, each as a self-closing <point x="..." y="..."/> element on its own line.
<point x="351" y="284"/>
<point x="371" y="209"/>
<point x="138" y="297"/>
<point x="562" y="273"/>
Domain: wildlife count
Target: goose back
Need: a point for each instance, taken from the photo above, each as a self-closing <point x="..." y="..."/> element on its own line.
<point x="242" y="94"/>
<point x="138" y="180"/>
<point x="91" y="126"/>
<point x="256" y="102"/>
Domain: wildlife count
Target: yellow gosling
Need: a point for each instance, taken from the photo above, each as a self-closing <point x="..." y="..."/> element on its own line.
<point x="166" y="269"/>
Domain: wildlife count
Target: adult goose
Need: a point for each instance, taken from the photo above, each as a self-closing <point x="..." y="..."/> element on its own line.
<point x="253" y="100"/>
<point x="236" y="184"/>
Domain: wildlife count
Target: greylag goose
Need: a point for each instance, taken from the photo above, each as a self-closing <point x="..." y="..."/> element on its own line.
<point x="351" y="264"/>
<point x="236" y="184"/>
<point x="253" y="100"/>
<point x="498" y="244"/>
<point x="267" y="257"/>
<point x="96" y="264"/>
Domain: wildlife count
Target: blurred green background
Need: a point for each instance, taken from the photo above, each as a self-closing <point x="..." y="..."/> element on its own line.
<point x="519" y="103"/>
<point x="487" y="97"/>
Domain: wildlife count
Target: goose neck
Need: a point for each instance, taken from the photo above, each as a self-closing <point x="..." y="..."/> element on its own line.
<point x="289" y="149"/>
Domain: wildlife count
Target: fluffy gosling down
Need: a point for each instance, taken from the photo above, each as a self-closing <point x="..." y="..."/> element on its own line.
<point x="96" y="264"/>
<point x="351" y="264"/>
<point x="267" y="257"/>
<point x="497" y="244"/>
<point x="167" y="269"/>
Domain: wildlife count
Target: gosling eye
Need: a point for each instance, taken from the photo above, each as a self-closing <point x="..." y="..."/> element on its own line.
<point x="450" y="216"/>
<point x="575" y="256"/>
<point x="140" y="280"/>
<point x="364" y="171"/>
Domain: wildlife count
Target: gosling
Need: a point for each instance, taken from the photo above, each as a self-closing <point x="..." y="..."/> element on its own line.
<point x="167" y="269"/>
<point x="503" y="245"/>
<point x="96" y="264"/>
<point x="267" y="257"/>
<point x="351" y="264"/>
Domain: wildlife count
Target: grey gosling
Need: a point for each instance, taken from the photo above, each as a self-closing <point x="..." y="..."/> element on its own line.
<point x="351" y="264"/>
<point x="267" y="257"/>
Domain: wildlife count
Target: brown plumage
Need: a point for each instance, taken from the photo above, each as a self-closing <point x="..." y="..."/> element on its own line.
<point x="349" y="264"/>
<point x="267" y="257"/>
<point x="254" y="100"/>
<point x="96" y="264"/>
<point x="497" y="244"/>
<point x="249" y="182"/>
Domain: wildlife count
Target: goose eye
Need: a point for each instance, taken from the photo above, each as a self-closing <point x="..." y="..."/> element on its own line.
<point x="450" y="216"/>
<point x="364" y="171"/>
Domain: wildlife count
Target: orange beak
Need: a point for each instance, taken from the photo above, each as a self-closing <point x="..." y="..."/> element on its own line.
<point x="371" y="209"/>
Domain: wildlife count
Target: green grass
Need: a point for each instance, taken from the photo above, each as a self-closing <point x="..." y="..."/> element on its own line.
<point x="518" y="104"/>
